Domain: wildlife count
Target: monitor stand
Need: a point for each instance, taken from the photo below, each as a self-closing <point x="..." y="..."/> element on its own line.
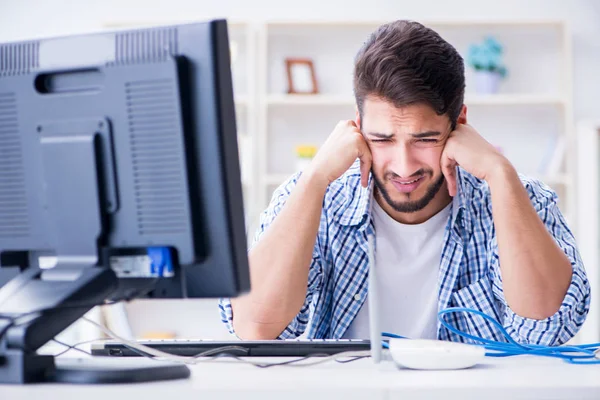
<point x="48" y="302"/>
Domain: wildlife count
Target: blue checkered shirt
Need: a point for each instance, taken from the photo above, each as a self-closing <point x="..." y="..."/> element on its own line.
<point x="469" y="274"/>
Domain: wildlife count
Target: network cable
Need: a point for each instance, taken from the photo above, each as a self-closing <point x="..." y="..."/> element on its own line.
<point x="574" y="354"/>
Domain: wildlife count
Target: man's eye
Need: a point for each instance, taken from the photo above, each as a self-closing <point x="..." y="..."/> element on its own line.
<point x="380" y="140"/>
<point x="428" y="140"/>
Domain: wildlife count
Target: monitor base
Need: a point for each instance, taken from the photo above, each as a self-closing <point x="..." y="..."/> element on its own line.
<point x="19" y="368"/>
<point x="115" y="370"/>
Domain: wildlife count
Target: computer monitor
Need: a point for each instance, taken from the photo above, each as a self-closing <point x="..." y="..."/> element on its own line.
<point x="118" y="157"/>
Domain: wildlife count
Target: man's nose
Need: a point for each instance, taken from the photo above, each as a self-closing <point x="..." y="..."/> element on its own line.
<point x="405" y="163"/>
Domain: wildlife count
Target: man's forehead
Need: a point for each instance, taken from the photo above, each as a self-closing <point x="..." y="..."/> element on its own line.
<point x="382" y="114"/>
<point x="378" y="104"/>
<point x="403" y="126"/>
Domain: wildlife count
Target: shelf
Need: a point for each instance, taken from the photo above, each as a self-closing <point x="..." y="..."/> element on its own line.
<point x="512" y="100"/>
<point x="552" y="180"/>
<point x="241" y="101"/>
<point x="277" y="179"/>
<point x="470" y="99"/>
<point x="484" y="23"/>
<point x="310" y="99"/>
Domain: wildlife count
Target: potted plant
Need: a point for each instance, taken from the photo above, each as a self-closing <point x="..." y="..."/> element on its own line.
<point x="485" y="59"/>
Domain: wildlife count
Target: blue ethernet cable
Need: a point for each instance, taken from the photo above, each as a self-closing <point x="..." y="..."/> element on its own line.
<point x="574" y="354"/>
<point x="582" y="354"/>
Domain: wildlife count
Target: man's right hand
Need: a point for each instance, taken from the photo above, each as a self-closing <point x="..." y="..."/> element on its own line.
<point x="343" y="146"/>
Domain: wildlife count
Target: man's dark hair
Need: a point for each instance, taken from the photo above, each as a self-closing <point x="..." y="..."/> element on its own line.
<point x="406" y="63"/>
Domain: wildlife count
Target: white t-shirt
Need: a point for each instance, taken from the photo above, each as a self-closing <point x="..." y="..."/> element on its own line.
<point x="407" y="259"/>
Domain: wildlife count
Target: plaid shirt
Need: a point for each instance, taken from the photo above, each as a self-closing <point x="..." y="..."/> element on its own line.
<point x="469" y="274"/>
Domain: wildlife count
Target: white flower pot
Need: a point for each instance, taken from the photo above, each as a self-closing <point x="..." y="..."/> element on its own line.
<point x="302" y="163"/>
<point x="487" y="82"/>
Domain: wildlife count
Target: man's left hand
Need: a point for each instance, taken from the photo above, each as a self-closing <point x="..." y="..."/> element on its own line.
<point x="468" y="149"/>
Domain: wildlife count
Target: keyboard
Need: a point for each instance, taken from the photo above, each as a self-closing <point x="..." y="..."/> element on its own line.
<point x="248" y="348"/>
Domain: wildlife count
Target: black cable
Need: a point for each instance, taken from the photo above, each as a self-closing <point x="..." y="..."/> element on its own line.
<point x="288" y="362"/>
<point x="216" y="352"/>
<point x="293" y="361"/>
<point x="73" y="347"/>
<point x="227" y="354"/>
<point x="351" y="360"/>
<point x="262" y="366"/>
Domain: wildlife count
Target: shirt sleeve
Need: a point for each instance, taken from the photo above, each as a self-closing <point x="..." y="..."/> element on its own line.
<point x="298" y="325"/>
<point x="564" y="324"/>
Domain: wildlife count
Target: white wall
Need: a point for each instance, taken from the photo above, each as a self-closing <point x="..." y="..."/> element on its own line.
<point x="25" y="19"/>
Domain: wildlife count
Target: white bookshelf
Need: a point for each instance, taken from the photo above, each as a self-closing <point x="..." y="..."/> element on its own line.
<point x="534" y="104"/>
<point x="241" y="101"/>
<point x="514" y="100"/>
<point x="301" y="99"/>
<point x="588" y="237"/>
<point x="243" y="71"/>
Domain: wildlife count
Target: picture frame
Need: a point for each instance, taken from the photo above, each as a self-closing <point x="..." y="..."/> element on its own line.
<point x="301" y="76"/>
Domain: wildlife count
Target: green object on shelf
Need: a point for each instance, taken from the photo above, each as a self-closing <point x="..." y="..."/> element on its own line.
<point x="487" y="56"/>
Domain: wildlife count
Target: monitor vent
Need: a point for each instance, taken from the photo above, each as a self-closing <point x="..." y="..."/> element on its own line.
<point x="156" y="150"/>
<point x="19" y="58"/>
<point x="14" y="221"/>
<point x="145" y="45"/>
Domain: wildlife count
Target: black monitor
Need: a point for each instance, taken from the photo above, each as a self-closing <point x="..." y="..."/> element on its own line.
<point x="119" y="158"/>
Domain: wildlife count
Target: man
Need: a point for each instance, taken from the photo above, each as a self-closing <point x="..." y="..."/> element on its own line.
<point x="453" y="223"/>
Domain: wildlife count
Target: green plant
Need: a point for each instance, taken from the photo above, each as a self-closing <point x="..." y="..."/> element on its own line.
<point x="487" y="56"/>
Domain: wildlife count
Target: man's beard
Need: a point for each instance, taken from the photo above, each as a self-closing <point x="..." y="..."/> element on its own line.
<point x="410" y="206"/>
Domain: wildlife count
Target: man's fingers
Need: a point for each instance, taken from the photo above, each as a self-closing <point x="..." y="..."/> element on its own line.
<point x="449" y="171"/>
<point x="365" y="168"/>
<point x="365" y="163"/>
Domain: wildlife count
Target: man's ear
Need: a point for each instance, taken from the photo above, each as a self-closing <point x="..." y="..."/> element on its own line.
<point x="357" y="118"/>
<point x="462" y="117"/>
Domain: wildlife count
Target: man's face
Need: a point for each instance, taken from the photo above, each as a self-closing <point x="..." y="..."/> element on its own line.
<point x="406" y="144"/>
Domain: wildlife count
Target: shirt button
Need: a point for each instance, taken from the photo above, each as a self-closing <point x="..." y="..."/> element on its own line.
<point x="357" y="297"/>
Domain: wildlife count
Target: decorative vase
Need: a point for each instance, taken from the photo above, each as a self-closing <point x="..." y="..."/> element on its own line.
<point x="487" y="82"/>
<point x="304" y="156"/>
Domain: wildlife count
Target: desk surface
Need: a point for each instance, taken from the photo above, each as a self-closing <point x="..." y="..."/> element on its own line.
<point x="508" y="378"/>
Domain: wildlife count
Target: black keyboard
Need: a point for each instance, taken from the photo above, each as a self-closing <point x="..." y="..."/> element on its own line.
<point x="247" y="348"/>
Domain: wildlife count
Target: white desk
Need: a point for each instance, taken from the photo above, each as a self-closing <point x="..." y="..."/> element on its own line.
<point x="514" y="378"/>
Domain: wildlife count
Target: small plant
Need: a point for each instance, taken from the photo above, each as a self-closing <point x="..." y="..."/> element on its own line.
<point x="487" y="56"/>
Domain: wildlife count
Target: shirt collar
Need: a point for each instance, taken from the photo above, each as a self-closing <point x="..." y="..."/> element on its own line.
<point x="459" y="202"/>
<point x="357" y="210"/>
